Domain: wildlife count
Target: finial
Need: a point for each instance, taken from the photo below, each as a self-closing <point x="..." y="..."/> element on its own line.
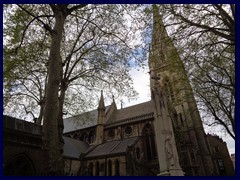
<point x="121" y="103"/>
<point x="101" y="101"/>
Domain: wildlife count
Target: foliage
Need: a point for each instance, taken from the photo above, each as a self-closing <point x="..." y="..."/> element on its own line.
<point x="51" y="50"/>
<point x="205" y="38"/>
<point x="100" y="44"/>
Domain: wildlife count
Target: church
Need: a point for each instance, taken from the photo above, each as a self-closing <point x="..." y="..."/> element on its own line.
<point x="161" y="137"/>
<point x="164" y="136"/>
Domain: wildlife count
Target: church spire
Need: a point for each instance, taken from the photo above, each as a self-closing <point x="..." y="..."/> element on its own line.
<point x="159" y="31"/>
<point x="168" y="75"/>
<point x="162" y="51"/>
<point x="101" y="120"/>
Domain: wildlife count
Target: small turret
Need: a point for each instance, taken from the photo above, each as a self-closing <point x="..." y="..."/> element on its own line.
<point x="101" y="117"/>
<point x="113" y="103"/>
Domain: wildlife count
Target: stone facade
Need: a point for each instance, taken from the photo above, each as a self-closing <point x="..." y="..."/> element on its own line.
<point x="22" y="153"/>
<point x="220" y="156"/>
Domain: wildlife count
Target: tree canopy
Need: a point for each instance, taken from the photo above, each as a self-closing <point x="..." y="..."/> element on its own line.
<point x="57" y="52"/>
<point x="205" y="38"/>
<point x="99" y="46"/>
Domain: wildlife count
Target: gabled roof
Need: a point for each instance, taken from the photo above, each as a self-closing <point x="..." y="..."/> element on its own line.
<point x="137" y="112"/>
<point x="81" y="121"/>
<point x="73" y="148"/>
<point x="111" y="147"/>
<point x="131" y="112"/>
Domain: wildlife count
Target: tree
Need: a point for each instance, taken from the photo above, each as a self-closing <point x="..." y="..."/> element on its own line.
<point x="82" y="46"/>
<point x="205" y="37"/>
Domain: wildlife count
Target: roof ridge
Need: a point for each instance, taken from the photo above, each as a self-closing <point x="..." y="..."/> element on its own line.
<point x="91" y="149"/>
<point x="116" y="145"/>
<point x="135" y="105"/>
<point x="83" y="113"/>
<point x="136" y="141"/>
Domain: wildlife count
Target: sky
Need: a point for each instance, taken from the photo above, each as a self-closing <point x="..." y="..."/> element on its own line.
<point x="141" y="82"/>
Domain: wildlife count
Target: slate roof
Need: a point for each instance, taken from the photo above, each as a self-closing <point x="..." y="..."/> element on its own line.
<point x="139" y="112"/>
<point x="73" y="148"/>
<point x="111" y="147"/>
<point x="131" y="112"/>
<point x="81" y="121"/>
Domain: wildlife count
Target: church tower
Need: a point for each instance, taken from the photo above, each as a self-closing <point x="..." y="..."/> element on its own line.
<point x="101" y="118"/>
<point x="168" y="70"/>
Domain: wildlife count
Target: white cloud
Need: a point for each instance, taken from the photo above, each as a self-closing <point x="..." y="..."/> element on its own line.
<point x="141" y="82"/>
<point x="230" y="144"/>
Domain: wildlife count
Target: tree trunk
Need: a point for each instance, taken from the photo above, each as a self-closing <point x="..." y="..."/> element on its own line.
<point x="60" y="116"/>
<point x="51" y="142"/>
<point x="40" y="117"/>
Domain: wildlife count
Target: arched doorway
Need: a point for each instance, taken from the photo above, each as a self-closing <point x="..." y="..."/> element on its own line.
<point x="19" y="165"/>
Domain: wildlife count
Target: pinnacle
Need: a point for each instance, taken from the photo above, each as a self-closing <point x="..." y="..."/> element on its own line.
<point x="101" y="102"/>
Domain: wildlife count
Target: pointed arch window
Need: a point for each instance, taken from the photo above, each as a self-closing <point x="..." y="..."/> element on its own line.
<point x="117" y="165"/>
<point x="102" y="169"/>
<point x="109" y="168"/>
<point x="97" y="168"/>
<point x="90" y="169"/>
<point x="91" y="137"/>
<point x="83" y="137"/>
<point x="149" y="142"/>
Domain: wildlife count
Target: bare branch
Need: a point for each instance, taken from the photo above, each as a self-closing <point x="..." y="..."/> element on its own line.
<point x="74" y="8"/>
<point x="46" y="26"/>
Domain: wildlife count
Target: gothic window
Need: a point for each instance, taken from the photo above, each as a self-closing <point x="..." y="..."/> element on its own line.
<point x="83" y="137"/>
<point x="184" y="159"/>
<point x="90" y="169"/>
<point x="91" y="137"/>
<point x="128" y="131"/>
<point x="75" y="136"/>
<point x="193" y="158"/>
<point x="117" y="168"/>
<point x="102" y="167"/>
<point x="109" y="168"/>
<point x="138" y="152"/>
<point x="111" y="133"/>
<point x="221" y="164"/>
<point x="149" y="142"/>
<point x="97" y="168"/>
